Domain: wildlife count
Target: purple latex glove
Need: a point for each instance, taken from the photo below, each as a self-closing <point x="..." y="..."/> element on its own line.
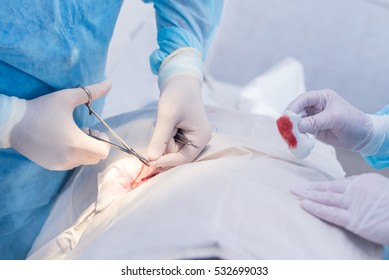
<point x="358" y="203"/>
<point x="334" y="121"/>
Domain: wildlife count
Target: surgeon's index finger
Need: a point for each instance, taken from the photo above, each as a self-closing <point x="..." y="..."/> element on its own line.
<point x="306" y="100"/>
<point x="335" y="215"/>
<point x="96" y="91"/>
<point x="94" y="148"/>
<point x="185" y="155"/>
<point x="336" y="186"/>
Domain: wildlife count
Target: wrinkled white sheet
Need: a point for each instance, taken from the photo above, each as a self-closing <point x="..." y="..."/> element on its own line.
<point x="233" y="202"/>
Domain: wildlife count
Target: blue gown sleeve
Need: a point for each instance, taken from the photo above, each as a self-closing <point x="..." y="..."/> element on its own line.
<point x="6" y="111"/>
<point x="180" y="24"/>
<point x="381" y="159"/>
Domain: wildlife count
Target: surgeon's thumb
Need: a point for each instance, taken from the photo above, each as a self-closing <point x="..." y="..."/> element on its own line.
<point x="156" y="148"/>
<point x="313" y="124"/>
<point x="160" y="139"/>
<point x="96" y="91"/>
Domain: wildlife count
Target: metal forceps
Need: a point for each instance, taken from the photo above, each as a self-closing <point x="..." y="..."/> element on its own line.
<point x="180" y="138"/>
<point x="127" y="149"/>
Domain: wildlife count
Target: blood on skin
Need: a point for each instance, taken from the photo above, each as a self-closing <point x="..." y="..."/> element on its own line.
<point x="285" y="127"/>
<point x="136" y="182"/>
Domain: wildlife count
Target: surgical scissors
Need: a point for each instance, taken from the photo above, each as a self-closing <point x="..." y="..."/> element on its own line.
<point x="127" y="149"/>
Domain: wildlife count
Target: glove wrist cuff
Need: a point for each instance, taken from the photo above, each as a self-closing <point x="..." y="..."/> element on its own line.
<point x="379" y="127"/>
<point x="186" y="61"/>
<point x="12" y="110"/>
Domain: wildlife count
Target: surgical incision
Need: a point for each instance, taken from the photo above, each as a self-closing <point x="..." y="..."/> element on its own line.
<point x="144" y="174"/>
<point x="121" y="177"/>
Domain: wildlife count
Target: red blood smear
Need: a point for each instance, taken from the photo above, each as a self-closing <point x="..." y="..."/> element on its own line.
<point x="148" y="177"/>
<point x="285" y="128"/>
<point x="136" y="182"/>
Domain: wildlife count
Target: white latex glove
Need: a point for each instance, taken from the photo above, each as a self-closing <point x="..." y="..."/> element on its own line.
<point x="48" y="135"/>
<point x="336" y="122"/>
<point x="359" y="203"/>
<point x="180" y="107"/>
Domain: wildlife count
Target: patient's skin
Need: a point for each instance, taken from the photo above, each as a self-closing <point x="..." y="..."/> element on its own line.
<point x="144" y="174"/>
<point x="121" y="177"/>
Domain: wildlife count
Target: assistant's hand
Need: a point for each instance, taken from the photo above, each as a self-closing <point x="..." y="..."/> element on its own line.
<point x="180" y="107"/>
<point x="332" y="119"/>
<point x="359" y="204"/>
<point x="48" y="135"/>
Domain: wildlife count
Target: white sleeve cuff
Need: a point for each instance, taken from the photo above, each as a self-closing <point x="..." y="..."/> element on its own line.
<point x="182" y="61"/>
<point x="12" y="111"/>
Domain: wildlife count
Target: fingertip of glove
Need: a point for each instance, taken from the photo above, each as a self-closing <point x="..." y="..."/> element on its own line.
<point x="302" y="193"/>
<point x="153" y="154"/>
<point x="106" y="85"/>
<point x="309" y="206"/>
<point x="304" y="125"/>
<point x="153" y="163"/>
<point x="297" y="192"/>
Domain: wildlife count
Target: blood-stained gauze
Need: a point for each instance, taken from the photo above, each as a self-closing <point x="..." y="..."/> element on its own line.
<point x="121" y="177"/>
<point x="300" y="144"/>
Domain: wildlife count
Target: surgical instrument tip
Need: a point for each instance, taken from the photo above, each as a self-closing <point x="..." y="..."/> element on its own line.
<point x="181" y="138"/>
<point x="126" y="148"/>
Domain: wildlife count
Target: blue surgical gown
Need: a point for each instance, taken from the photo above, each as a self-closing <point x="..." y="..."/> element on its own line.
<point x="48" y="45"/>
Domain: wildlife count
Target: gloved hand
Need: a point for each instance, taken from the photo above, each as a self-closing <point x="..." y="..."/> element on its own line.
<point x="48" y="135"/>
<point x="359" y="203"/>
<point x="180" y="107"/>
<point x="336" y="122"/>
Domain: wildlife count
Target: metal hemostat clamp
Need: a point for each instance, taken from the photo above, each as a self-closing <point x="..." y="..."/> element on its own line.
<point x="127" y="149"/>
<point x="180" y="138"/>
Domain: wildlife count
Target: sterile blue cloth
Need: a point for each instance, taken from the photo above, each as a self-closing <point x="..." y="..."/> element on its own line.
<point x="386" y="253"/>
<point x="48" y="45"/>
